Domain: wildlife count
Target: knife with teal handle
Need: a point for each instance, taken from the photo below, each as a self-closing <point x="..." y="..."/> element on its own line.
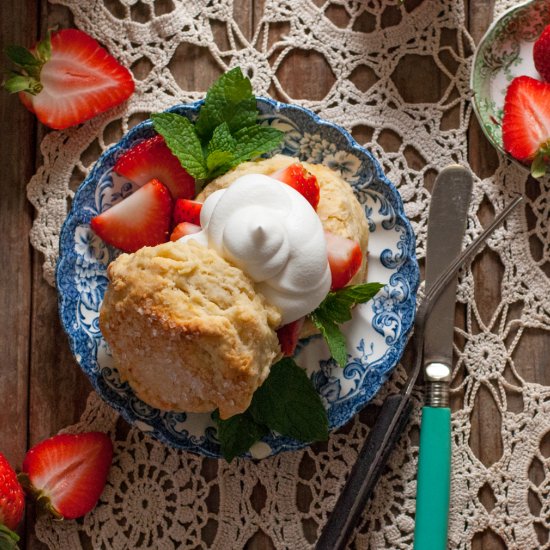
<point x="448" y="215"/>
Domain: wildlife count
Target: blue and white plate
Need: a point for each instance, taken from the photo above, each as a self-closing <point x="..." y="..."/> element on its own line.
<point x="376" y="335"/>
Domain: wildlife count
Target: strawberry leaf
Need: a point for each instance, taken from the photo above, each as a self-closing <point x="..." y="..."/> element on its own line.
<point x="8" y="539"/>
<point x="539" y="166"/>
<point x="22" y="83"/>
<point x="21" y="56"/>
<point x="180" y="136"/>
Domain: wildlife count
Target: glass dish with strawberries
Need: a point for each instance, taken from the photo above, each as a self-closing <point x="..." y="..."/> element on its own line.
<point x="243" y="184"/>
<point x="511" y="84"/>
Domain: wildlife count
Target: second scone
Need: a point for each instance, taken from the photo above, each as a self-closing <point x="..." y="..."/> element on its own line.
<point x="187" y="329"/>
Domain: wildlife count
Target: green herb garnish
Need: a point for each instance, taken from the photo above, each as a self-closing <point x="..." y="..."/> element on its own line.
<point x="334" y="310"/>
<point x="225" y="134"/>
<point x="286" y="402"/>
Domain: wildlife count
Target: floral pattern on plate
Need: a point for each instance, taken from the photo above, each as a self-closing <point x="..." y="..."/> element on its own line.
<point x="376" y="335"/>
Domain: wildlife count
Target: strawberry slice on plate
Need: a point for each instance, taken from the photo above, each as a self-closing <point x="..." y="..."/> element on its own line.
<point x="300" y="179"/>
<point x="526" y="123"/>
<point x="186" y="210"/>
<point x="183" y="229"/>
<point x="68" y="78"/>
<point x="344" y="259"/>
<point x="153" y="159"/>
<point x="142" y="219"/>
<point x="67" y="473"/>
<point x="288" y="336"/>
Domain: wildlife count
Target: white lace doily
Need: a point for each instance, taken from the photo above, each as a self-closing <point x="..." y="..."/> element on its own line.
<point x="160" y="498"/>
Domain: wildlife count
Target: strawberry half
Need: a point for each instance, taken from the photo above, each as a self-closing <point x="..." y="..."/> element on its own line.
<point x="183" y="229"/>
<point x="344" y="259"/>
<point x="288" y="336"/>
<point x="526" y="122"/>
<point x="12" y="502"/>
<point x="186" y="210"/>
<point x="68" y="78"/>
<point x="68" y="472"/>
<point x="300" y="179"/>
<point x="153" y="159"/>
<point x="541" y="54"/>
<point x="142" y="219"/>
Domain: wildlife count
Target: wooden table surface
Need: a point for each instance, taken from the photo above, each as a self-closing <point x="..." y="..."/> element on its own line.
<point x="41" y="387"/>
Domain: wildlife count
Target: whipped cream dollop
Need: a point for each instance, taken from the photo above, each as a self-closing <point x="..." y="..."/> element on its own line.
<point x="271" y="232"/>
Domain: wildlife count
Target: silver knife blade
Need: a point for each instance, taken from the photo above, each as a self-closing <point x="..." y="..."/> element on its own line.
<point x="446" y="227"/>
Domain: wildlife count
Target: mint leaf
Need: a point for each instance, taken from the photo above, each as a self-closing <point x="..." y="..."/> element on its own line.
<point x="222" y="140"/>
<point x="238" y="433"/>
<point x="218" y="161"/>
<point x="230" y="100"/>
<point x="288" y="403"/>
<point x="254" y="141"/>
<point x="181" y="138"/>
<point x="334" y="310"/>
<point x="333" y="336"/>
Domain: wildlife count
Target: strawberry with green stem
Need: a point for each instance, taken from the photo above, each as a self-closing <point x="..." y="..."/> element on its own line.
<point x="68" y="78"/>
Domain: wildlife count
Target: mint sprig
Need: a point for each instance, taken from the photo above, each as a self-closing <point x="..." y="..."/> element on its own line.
<point x="334" y="310"/>
<point x="286" y="402"/>
<point x="225" y="134"/>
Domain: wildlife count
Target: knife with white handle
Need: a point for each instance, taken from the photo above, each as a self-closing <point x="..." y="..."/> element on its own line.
<point x="448" y="215"/>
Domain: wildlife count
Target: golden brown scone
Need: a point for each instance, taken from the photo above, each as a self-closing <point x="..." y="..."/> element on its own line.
<point x="187" y="330"/>
<point x="340" y="212"/>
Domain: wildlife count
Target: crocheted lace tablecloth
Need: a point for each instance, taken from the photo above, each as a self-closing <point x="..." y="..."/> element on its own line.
<point x="157" y="497"/>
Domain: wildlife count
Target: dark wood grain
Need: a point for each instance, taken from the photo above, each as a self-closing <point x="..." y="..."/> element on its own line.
<point x="41" y="387"/>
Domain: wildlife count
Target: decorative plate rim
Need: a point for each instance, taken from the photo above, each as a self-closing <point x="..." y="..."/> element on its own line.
<point x="410" y="263"/>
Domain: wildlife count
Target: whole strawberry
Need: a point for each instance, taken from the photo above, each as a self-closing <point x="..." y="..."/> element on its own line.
<point x="67" y="473"/>
<point x="68" y="78"/>
<point x="541" y="54"/>
<point x="12" y="504"/>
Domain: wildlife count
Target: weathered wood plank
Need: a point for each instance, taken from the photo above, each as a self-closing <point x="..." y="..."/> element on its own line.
<point x="18" y="23"/>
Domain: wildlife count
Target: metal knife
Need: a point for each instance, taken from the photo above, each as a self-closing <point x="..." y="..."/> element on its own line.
<point x="448" y="215"/>
<point x="394" y="413"/>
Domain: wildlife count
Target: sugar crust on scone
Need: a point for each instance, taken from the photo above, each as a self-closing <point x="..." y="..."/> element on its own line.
<point x="187" y="329"/>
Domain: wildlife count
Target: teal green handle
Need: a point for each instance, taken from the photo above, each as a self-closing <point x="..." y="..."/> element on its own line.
<point x="434" y="480"/>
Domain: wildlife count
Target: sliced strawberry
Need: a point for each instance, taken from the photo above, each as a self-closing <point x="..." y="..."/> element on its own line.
<point x="68" y="79"/>
<point x="186" y="210"/>
<point x="526" y="122"/>
<point x="142" y="219"/>
<point x="153" y="159"/>
<point x="288" y="336"/>
<point x="541" y="54"/>
<point x="344" y="259"/>
<point x="12" y="499"/>
<point x="300" y="179"/>
<point x="68" y="472"/>
<point x="183" y="229"/>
